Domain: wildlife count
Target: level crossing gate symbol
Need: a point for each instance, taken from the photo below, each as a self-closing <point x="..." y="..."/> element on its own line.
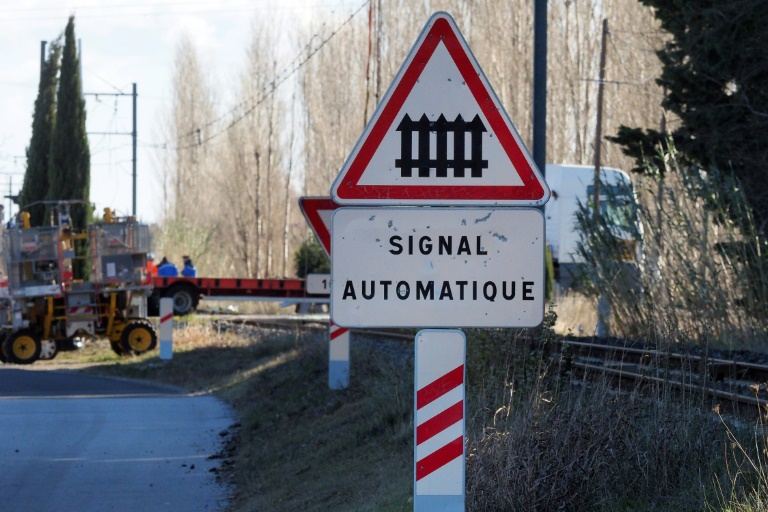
<point x="441" y="128"/>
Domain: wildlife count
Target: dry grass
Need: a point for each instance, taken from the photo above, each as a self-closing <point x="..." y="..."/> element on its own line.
<point x="703" y="281"/>
<point x="309" y="448"/>
<point x="590" y="449"/>
<point x="539" y="440"/>
<point x="245" y="307"/>
<point x="744" y="486"/>
<point x="576" y="314"/>
<point x="536" y="441"/>
<point x="207" y="357"/>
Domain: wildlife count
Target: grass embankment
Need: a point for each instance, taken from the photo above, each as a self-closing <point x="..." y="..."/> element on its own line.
<point x="536" y="440"/>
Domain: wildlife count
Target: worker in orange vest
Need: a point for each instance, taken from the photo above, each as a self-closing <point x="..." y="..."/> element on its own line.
<point x="151" y="267"/>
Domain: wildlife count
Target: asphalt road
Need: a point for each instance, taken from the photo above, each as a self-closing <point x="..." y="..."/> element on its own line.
<point x="73" y="442"/>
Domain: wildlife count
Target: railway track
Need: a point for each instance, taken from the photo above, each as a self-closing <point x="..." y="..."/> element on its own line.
<point x="731" y="381"/>
<point x="737" y="382"/>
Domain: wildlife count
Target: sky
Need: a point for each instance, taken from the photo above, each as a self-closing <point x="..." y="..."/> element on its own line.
<point x="123" y="43"/>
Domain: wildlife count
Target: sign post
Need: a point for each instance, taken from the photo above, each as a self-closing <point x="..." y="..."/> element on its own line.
<point x="338" y="357"/>
<point x="317" y="211"/>
<point x="166" y="328"/>
<point x="439" y="421"/>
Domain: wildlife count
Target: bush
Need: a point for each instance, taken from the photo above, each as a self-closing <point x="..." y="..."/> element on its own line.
<point x="549" y="283"/>
<point x="310" y="258"/>
<point x="704" y="276"/>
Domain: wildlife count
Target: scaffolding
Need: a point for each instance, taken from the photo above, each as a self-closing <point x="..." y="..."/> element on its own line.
<point x="48" y="304"/>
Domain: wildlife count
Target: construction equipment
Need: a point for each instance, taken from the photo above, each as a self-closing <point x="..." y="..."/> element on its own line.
<point x="44" y="304"/>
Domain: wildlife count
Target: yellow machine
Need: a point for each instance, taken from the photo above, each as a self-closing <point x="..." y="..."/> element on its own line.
<point x="44" y="305"/>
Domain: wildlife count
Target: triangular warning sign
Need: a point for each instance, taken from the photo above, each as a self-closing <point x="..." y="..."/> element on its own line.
<point x="440" y="136"/>
<point x="318" y="211"/>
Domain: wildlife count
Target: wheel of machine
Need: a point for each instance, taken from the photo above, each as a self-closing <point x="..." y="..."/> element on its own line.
<point x="22" y="347"/>
<point x="117" y="347"/>
<point x="3" y="357"/>
<point x="138" y="337"/>
<point x="184" y="297"/>
<point x="48" y="349"/>
<point x="153" y="304"/>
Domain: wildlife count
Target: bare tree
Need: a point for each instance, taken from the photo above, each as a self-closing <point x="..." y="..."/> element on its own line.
<point x="187" y="228"/>
<point x="334" y="95"/>
<point x="253" y="178"/>
<point x="500" y="35"/>
<point x="241" y="168"/>
<point x="193" y="107"/>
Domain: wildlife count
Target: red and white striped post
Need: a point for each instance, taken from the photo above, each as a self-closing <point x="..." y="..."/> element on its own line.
<point x="338" y="357"/>
<point x="166" y="328"/>
<point x="439" y="459"/>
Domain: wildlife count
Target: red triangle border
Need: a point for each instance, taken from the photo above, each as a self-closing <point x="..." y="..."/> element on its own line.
<point x="311" y="208"/>
<point x="442" y="30"/>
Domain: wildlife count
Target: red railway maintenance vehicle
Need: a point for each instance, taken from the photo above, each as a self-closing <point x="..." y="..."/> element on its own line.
<point x="187" y="292"/>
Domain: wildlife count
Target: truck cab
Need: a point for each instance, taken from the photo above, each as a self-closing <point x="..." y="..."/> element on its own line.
<point x="572" y="186"/>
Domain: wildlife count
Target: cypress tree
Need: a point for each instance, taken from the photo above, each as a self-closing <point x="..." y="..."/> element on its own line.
<point x="69" y="172"/>
<point x="35" y="187"/>
<point x="715" y="77"/>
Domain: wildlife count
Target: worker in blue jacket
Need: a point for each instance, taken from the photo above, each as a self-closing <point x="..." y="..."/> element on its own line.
<point x="167" y="269"/>
<point x="189" y="269"/>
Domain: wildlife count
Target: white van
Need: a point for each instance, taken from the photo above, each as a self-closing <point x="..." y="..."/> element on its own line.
<point x="573" y="185"/>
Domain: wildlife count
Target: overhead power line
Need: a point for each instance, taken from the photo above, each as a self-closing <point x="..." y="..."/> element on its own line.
<point x="276" y="82"/>
<point x="154" y="3"/>
<point x="114" y="6"/>
<point x="143" y="10"/>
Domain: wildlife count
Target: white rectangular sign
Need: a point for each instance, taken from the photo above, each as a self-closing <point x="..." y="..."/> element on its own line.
<point x="437" y="267"/>
<point x="319" y="284"/>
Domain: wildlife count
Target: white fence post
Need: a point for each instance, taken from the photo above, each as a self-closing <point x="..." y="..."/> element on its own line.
<point x="166" y="328"/>
<point x="439" y="459"/>
<point x="338" y="357"/>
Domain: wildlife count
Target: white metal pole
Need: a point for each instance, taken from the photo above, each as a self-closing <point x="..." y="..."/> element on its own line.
<point x="439" y="412"/>
<point x="338" y="357"/>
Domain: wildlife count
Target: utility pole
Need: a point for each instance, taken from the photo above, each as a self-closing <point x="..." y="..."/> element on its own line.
<point x="378" y="52"/>
<point x="11" y="197"/>
<point x="603" y="306"/>
<point x="599" y="128"/>
<point x="133" y="211"/>
<point x="540" y="85"/>
<point x="368" y="64"/>
<point x="42" y="56"/>
<point x="132" y="133"/>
